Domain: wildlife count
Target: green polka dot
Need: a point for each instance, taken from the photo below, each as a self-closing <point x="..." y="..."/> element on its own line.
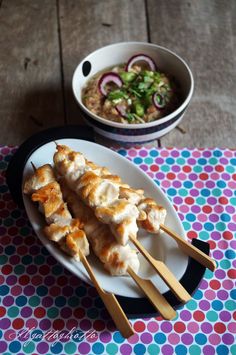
<point x="16" y="213"/>
<point x="93" y="313"/>
<point x="3" y="189"/>
<point x="25" y="231"/>
<point x="213" y="161"/>
<point x="233" y="201"/>
<point x="19" y="269"/>
<point x="180" y="161"/>
<point x="204" y="235"/>
<point x="233" y="349"/>
<point x="73" y="301"/>
<point x="28" y="347"/>
<point x="230" y="305"/>
<point x="230" y="169"/>
<point x="197" y="169"/>
<point x="148" y="160"/>
<point x="187" y="226"/>
<point x="183" y="192"/>
<point x="13" y="312"/>
<point x="191" y="305"/>
<point x="3" y="165"/>
<point x="221" y="226"/>
<point x="216" y="192"/>
<point x="70" y="348"/>
<point x="57" y="270"/>
<point x="39" y="260"/>
<point x="3" y="259"/>
<point x="225" y="264"/>
<point x="112" y="349"/>
<point x="165" y="168"/>
<point x="153" y="349"/>
<point x="212" y="316"/>
<point x="208" y="274"/>
<point x="8" y="222"/>
<point x="52" y="312"/>
<point x="200" y="201"/>
<point x="195" y="350"/>
<point x="34" y="301"/>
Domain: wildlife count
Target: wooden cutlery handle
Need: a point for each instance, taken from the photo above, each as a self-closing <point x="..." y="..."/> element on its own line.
<point x="191" y="250"/>
<point x="110" y="302"/>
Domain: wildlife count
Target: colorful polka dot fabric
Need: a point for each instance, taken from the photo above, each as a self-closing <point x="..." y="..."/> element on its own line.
<point x="44" y="309"/>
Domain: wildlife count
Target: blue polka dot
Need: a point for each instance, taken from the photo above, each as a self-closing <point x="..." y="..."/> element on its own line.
<point x="200" y="339"/>
<point x="217" y="153"/>
<point x="233" y="294"/>
<point x="157" y="182"/>
<point x="160" y="338"/>
<point x="98" y="348"/>
<point x="138" y="160"/>
<point x="139" y="349"/>
<point x="170" y="161"/>
<point x="230" y="254"/>
<point x="21" y="301"/>
<point x="171" y="192"/>
<point x="205" y="192"/>
<point x="154" y="153"/>
<point x="222" y="350"/>
<point x="37" y="335"/>
<point x="208" y="226"/>
<point x="60" y="301"/>
<point x="10" y="249"/>
<point x="78" y="336"/>
<point x="118" y="338"/>
<point x="198" y="295"/>
<point x="14" y="346"/>
<point x="180" y="350"/>
<point x="185" y="153"/>
<point x="56" y="348"/>
<point x="225" y="217"/>
<point x="42" y="290"/>
<point x="122" y="152"/>
<point x="4" y="289"/>
<point x="221" y="184"/>
<point x="190" y="217"/>
<point x="217" y="305"/>
<point x="233" y="161"/>
<point x="27" y="259"/>
<point x="202" y="161"/>
<point x="188" y="184"/>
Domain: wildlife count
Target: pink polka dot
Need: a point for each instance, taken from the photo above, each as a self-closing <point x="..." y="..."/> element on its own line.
<point x="31" y="323"/>
<point x="232" y="327"/>
<point x="228" y="154"/>
<point x="223" y="244"/>
<point x="153" y="327"/>
<point x="196" y="154"/>
<point x="165" y="183"/>
<point x="16" y="290"/>
<point x="199" y="184"/>
<point x="218" y="209"/>
<point x="182" y="176"/>
<point x="214" y="339"/>
<point x="173" y="338"/>
<point x="228" y="284"/>
<point x="202" y="217"/>
<point x="234" y="217"/>
<point x="150" y="174"/>
<point x="164" y="153"/>
<point x="210" y="295"/>
<point x="215" y="176"/>
<point x="232" y="184"/>
<point x="134" y="339"/>
<point x="132" y="152"/>
<point x="193" y="327"/>
<point x="10" y="335"/>
<point x="184" y="208"/>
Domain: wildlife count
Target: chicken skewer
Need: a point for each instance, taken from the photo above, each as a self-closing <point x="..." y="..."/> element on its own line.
<point x="44" y="189"/>
<point x="101" y="194"/>
<point x="106" y="248"/>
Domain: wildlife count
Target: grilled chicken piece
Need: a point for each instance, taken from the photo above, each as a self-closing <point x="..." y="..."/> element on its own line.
<point x="131" y="195"/>
<point x="42" y="176"/>
<point x="116" y="212"/>
<point x="155" y="215"/>
<point x="77" y="241"/>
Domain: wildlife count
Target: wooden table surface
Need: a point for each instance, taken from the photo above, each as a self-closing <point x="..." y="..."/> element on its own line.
<point x="42" y="41"/>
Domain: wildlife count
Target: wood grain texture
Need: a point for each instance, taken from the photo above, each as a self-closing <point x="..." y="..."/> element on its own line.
<point x="89" y="24"/>
<point x="30" y="76"/>
<point x="203" y="32"/>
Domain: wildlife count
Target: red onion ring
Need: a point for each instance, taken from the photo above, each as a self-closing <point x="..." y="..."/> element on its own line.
<point x="138" y="58"/>
<point x="159" y="105"/>
<point x="107" y="78"/>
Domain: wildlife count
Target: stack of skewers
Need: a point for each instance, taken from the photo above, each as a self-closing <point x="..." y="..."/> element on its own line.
<point x="86" y="205"/>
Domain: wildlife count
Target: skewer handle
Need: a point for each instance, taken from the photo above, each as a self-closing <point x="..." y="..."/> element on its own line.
<point x="111" y="303"/>
<point x="164" y="273"/>
<point x="190" y="249"/>
<point x="156" y="298"/>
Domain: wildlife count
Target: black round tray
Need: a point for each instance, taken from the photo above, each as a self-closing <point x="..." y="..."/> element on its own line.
<point x="133" y="307"/>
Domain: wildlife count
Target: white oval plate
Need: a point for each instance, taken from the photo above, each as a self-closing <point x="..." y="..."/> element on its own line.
<point x="161" y="246"/>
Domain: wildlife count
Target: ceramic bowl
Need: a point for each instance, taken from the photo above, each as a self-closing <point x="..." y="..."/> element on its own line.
<point x="105" y="57"/>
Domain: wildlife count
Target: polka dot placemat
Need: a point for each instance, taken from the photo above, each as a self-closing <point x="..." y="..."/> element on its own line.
<point x="44" y="309"/>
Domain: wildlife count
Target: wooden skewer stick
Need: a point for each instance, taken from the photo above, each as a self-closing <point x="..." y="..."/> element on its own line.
<point x="110" y="302"/>
<point x="156" y="298"/>
<point x="163" y="272"/>
<point x="190" y="249"/>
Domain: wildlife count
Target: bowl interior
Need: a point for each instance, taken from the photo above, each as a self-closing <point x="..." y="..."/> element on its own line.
<point x="112" y="55"/>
